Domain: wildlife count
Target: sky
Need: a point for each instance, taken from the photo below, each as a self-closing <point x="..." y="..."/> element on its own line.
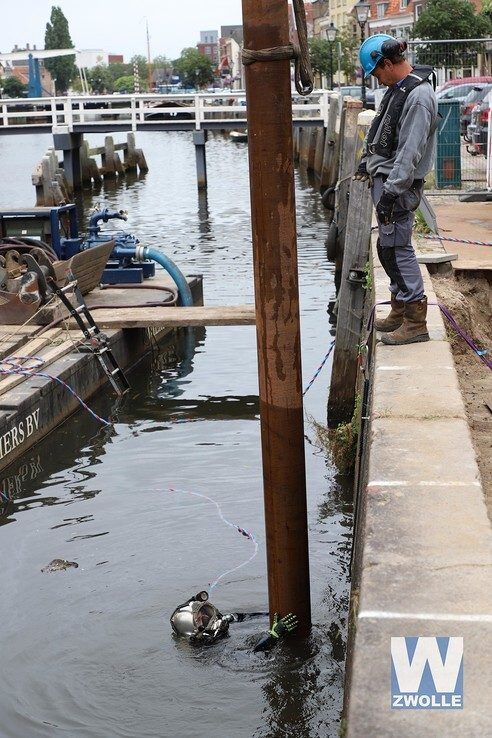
<point x="119" y="26"/>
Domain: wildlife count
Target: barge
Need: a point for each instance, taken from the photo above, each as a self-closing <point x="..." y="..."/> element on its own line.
<point x="52" y="353"/>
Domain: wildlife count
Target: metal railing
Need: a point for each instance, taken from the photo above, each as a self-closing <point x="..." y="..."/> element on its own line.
<point x="454" y="58"/>
<point x="140" y="111"/>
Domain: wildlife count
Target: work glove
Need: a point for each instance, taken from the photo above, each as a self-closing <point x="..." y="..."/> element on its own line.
<point x="362" y="174"/>
<point x="282" y="626"/>
<point x="385" y="206"/>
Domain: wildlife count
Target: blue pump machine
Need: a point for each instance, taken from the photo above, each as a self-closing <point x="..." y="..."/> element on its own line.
<point x="130" y="262"/>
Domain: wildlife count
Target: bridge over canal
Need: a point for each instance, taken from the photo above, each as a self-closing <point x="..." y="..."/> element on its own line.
<point x="151" y="112"/>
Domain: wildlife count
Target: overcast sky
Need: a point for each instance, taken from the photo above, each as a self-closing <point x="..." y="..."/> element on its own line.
<point x="118" y="26"/>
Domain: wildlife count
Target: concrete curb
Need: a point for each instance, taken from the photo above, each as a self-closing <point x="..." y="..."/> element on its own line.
<point x="424" y="549"/>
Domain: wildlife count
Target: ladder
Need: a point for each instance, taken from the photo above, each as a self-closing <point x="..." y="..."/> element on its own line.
<point x="97" y="342"/>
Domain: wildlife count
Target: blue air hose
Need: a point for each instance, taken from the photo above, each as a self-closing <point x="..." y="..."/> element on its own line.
<point x="144" y="252"/>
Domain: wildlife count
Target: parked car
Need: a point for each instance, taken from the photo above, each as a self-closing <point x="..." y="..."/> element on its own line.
<point x="356" y="91"/>
<point x="474" y="97"/>
<point x="479" y="126"/>
<point x="458" y="89"/>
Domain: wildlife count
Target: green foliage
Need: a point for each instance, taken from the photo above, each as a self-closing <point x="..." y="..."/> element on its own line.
<point x="57" y="36"/>
<point x="100" y="80"/>
<point x="162" y="69"/>
<point x="420" y="224"/>
<point x="142" y="65"/>
<point x="487" y="9"/>
<point x="450" y="19"/>
<point x="368" y="283"/>
<point x="323" y="57"/>
<point x="350" y="47"/>
<point x="13" y="87"/>
<point x="194" y="69"/>
<point x="127" y="84"/>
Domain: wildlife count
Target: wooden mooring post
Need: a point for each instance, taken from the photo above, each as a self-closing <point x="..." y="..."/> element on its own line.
<point x="331" y="149"/>
<point x="200" y="139"/>
<point x="54" y="183"/>
<point x="351" y="294"/>
<point x="347" y="165"/>
<point x="269" y="111"/>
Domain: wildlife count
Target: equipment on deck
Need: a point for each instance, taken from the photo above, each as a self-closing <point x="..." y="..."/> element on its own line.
<point x="44" y="241"/>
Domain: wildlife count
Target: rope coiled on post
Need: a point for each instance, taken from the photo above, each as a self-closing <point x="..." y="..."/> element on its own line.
<point x="300" y="53"/>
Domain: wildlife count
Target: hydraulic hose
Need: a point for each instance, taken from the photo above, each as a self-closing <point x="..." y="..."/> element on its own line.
<point x="140" y="253"/>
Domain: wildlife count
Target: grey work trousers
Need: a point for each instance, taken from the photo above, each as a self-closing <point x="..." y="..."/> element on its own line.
<point x="395" y="248"/>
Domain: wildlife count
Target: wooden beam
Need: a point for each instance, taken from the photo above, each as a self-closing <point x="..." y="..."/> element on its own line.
<point x="172" y="317"/>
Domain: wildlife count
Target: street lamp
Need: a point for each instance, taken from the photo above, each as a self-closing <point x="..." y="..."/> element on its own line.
<point x="331" y="34"/>
<point x="362" y="11"/>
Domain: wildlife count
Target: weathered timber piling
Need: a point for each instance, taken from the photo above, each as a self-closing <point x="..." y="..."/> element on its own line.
<point x="348" y="145"/>
<point x="329" y="168"/>
<point x="304" y="137"/>
<point x="313" y="137"/>
<point x="296" y="136"/>
<point x="318" y="154"/>
<point x="271" y="168"/>
<point x="351" y="293"/>
<point x="200" y="139"/>
<point x="54" y="182"/>
<point x="69" y="144"/>
<point x="50" y="182"/>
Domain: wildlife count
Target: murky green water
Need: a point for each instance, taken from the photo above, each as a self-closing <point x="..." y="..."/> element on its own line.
<point x="88" y="651"/>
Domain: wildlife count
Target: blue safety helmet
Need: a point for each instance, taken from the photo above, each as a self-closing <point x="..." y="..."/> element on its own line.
<point x="371" y="51"/>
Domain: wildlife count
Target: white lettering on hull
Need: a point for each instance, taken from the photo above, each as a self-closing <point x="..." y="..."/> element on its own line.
<point x="19" y="433"/>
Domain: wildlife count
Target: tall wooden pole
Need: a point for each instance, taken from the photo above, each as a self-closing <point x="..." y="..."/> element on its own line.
<point x="269" y="110"/>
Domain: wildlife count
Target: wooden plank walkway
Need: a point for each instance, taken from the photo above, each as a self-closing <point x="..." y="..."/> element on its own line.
<point x="173" y="317"/>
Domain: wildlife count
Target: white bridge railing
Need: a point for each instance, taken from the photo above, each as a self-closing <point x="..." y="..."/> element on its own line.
<point x="138" y="111"/>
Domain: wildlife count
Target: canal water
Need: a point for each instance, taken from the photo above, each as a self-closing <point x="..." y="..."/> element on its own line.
<point x="88" y="651"/>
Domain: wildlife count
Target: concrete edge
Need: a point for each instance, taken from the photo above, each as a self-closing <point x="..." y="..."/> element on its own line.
<point x="423" y="542"/>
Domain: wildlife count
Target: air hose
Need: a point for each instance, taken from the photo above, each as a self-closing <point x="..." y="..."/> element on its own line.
<point x="141" y="253"/>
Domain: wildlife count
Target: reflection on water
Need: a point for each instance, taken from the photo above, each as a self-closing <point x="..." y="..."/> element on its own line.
<point x="88" y="651"/>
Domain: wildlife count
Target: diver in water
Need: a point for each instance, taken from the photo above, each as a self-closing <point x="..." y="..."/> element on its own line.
<point x="200" y="622"/>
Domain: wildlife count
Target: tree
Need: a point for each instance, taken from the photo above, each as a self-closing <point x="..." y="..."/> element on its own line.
<point x="163" y="69"/>
<point x="349" y="60"/>
<point x="142" y="65"/>
<point x="99" y="79"/>
<point x="13" y="87"/>
<point x="194" y="69"/>
<point x="449" y="19"/>
<point x="57" y="36"/>
<point x="322" y="56"/>
<point x="127" y="84"/>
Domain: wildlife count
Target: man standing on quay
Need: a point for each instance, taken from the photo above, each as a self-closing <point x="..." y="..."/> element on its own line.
<point x="398" y="153"/>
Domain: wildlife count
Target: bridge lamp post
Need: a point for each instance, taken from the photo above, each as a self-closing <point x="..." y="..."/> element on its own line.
<point x="331" y="34"/>
<point x="362" y="11"/>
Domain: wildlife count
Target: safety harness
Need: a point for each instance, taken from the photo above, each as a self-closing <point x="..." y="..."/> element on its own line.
<point x="382" y="138"/>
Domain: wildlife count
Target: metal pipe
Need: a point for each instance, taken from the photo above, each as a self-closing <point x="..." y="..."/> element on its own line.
<point x="141" y="253"/>
<point x="269" y="111"/>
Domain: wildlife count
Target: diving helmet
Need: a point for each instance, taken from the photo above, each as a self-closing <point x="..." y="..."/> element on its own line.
<point x="199" y="621"/>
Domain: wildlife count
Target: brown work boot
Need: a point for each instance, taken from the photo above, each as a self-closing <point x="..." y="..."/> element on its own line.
<point x="414" y="327"/>
<point x="394" y="319"/>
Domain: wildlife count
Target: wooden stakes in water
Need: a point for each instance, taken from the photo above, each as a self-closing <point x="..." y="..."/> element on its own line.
<point x="50" y="178"/>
